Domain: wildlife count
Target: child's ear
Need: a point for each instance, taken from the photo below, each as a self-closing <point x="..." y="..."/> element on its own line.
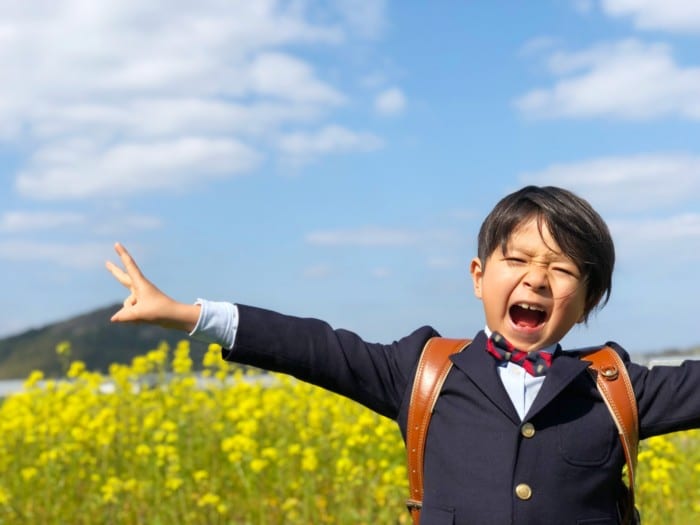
<point x="476" y="269"/>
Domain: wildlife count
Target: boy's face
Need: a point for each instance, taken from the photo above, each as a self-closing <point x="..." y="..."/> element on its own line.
<point x="533" y="294"/>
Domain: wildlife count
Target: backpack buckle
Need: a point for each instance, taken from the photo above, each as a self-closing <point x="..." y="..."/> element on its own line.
<point x="609" y="372"/>
<point x="413" y="505"/>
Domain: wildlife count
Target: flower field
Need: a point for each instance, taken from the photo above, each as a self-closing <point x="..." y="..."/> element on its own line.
<point x="164" y="446"/>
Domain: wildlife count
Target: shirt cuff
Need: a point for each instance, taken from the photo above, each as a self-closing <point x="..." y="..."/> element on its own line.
<point x="217" y="323"/>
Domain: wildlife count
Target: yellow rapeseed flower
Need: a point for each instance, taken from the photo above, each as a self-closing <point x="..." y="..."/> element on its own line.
<point x="258" y="464"/>
<point x="212" y="357"/>
<point x="63" y="348"/>
<point x="34" y="377"/>
<point x="110" y="489"/>
<point x="173" y="483"/>
<point x="159" y="356"/>
<point x="182" y="364"/>
<point x="140" y="365"/>
<point x="269" y="453"/>
<point x="4" y="496"/>
<point x="309" y="461"/>
<point x="200" y="475"/>
<point x="142" y="450"/>
<point x="76" y="369"/>
<point x="28" y="473"/>
<point x="208" y="499"/>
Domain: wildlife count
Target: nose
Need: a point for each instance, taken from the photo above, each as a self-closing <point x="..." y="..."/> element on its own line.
<point x="536" y="277"/>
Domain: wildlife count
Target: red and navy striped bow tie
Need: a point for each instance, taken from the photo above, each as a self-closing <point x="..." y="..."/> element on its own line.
<point x="535" y="363"/>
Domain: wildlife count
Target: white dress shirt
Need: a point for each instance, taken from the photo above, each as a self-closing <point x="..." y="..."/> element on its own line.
<point x="522" y="388"/>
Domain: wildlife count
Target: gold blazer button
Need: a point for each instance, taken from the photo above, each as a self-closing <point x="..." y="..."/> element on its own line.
<point x="527" y="430"/>
<point x="523" y="491"/>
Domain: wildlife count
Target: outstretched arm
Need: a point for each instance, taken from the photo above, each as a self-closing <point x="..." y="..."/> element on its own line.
<point x="146" y="303"/>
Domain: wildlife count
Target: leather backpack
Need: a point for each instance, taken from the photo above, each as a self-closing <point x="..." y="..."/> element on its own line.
<point x="606" y="368"/>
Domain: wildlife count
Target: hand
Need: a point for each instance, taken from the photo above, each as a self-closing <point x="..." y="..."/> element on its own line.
<point x="146" y="303"/>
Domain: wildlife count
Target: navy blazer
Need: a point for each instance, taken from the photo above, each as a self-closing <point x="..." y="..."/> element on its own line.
<point x="481" y="467"/>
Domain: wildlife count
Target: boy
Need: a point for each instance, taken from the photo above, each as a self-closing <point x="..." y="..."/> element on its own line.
<point x="505" y="446"/>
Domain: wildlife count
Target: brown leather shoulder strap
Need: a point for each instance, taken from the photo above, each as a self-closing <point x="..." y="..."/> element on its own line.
<point x="614" y="384"/>
<point x="433" y="366"/>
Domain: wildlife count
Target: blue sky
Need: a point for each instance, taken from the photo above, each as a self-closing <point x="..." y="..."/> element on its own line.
<point x="335" y="159"/>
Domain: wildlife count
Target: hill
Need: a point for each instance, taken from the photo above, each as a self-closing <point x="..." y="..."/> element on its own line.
<point x="93" y="338"/>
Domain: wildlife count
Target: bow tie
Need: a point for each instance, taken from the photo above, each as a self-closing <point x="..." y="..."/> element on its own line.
<point x="535" y="363"/>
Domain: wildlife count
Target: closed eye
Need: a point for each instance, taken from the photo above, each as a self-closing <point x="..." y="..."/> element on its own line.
<point x="566" y="271"/>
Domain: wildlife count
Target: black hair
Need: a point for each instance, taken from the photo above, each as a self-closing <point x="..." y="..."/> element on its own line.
<point x="577" y="228"/>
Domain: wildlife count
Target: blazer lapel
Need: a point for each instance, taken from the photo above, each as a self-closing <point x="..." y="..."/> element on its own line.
<point x="480" y="367"/>
<point x="565" y="368"/>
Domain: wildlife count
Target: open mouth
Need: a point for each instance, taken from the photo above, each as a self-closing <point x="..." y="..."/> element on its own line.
<point x="527" y="315"/>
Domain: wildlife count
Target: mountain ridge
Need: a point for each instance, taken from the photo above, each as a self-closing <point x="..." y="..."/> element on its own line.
<point x="93" y="339"/>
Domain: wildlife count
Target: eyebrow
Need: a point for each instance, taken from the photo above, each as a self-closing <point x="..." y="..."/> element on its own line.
<point x="550" y="255"/>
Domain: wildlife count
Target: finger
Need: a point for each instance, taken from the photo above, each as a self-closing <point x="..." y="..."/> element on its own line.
<point x="117" y="316"/>
<point x="119" y="274"/>
<point x="131" y="267"/>
<point x="130" y="301"/>
<point x="123" y="315"/>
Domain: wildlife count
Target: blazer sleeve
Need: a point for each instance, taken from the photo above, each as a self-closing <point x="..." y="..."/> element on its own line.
<point x="376" y="375"/>
<point x="668" y="397"/>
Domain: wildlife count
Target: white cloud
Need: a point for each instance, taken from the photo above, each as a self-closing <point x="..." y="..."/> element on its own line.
<point x="463" y="214"/>
<point x="285" y="77"/>
<point x="318" y="271"/>
<point x="20" y="221"/>
<point x="366" y="17"/>
<point x="127" y="224"/>
<point x="370" y="236"/>
<point x="678" y="236"/>
<point x="13" y="222"/>
<point x="301" y="147"/>
<point x="627" y="79"/>
<point x="120" y="78"/>
<point x="377" y="236"/>
<point x="681" y="226"/>
<point x="391" y="101"/>
<point x="640" y="182"/>
<point x="145" y="119"/>
<point x="583" y="6"/>
<point x="57" y="52"/>
<point x="442" y="263"/>
<point x="374" y="80"/>
<point x="539" y="44"/>
<point x="77" y="256"/>
<point x="75" y="170"/>
<point x="380" y="272"/>
<point x="669" y="15"/>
